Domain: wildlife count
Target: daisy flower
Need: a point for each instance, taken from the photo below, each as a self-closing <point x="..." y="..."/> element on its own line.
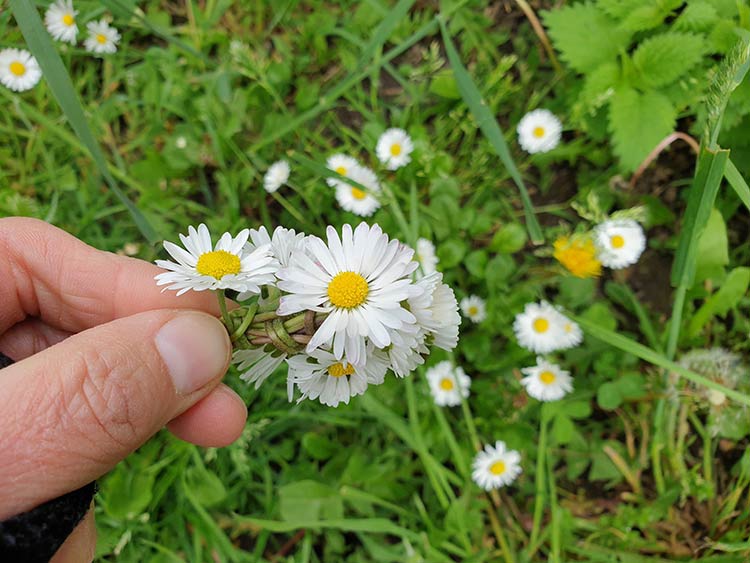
<point x="360" y="279"/>
<point x="355" y="199"/>
<point x="324" y="377"/>
<point x="19" y="71"/>
<point x="102" y="38"/>
<point x="621" y="242"/>
<point x="546" y="381"/>
<point x="60" y="19"/>
<point x="226" y="266"/>
<point x="283" y="243"/>
<point x="407" y="350"/>
<point x="341" y="164"/>
<point x="474" y="307"/>
<point x="428" y="260"/>
<point x="448" y="384"/>
<point x="256" y="364"/>
<point x="393" y="148"/>
<point x="541" y="328"/>
<point x="578" y="256"/>
<point x="539" y="131"/>
<point x="276" y="176"/>
<point x="496" y="467"/>
<point x="436" y="311"/>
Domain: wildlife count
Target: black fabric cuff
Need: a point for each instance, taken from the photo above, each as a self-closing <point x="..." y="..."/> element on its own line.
<point x="36" y="535"/>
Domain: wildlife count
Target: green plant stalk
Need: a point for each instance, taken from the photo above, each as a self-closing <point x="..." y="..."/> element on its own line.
<point x="223" y="306"/>
<point x="539" y="479"/>
<point x="555" y="538"/>
<point x="490" y="128"/>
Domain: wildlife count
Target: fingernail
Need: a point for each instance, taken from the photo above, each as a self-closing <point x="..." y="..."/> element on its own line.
<point x="195" y="347"/>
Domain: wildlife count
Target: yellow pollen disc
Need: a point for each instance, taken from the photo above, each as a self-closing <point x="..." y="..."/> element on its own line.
<point x="395" y="149"/>
<point x="348" y="290"/>
<point x="617" y="241"/>
<point x="538" y="132"/>
<point x="338" y="370"/>
<point x="101" y="38"/>
<point x="547" y="377"/>
<point x="473" y="310"/>
<point x="541" y="325"/>
<point x="446" y="384"/>
<point x="341" y="170"/>
<point x="68" y="20"/>
<point x="218" y="264"/>
<point x="568" y="327"/>
<point x="358" y="194"/>
<point x="17" y="68"/>
<point x="497" y="468"/>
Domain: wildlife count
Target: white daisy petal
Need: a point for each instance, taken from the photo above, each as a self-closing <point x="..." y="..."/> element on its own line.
<point x="394" y="148"/>
<point x="539" y="131"/>
<point x="60" y="19"/>
<point x="546" y="381"/>
<point x="495" y="466"/>
<point x="276" y="176"/>
<point x="620" y="242"/>
<point x="102" y="39"/>
<point x="19" y="71"/>
<point x="448" y="384"/>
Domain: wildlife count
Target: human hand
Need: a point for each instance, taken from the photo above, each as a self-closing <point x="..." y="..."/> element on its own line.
<point x="104" y="360"/>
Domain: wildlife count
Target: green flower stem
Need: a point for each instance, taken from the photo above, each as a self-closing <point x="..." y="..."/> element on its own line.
<point x="223" y="307"/>
<point x="555" y="538"/>
<point x="246" y="321"/>
<point x="540" y="474"/>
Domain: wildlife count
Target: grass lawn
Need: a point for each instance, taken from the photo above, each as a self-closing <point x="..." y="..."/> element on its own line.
<point x="646" y="459"/>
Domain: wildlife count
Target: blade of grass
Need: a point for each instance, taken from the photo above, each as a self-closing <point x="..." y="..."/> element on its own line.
<point x="57" y="78"/>
<point x="647" y="354"/>
<point x="384" y="30"/>
<point x="737" y="182"/>
<point x="489" y="126"/>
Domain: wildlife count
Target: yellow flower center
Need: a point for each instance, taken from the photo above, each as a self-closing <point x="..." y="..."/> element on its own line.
<point x="547" y="377"/>
<point x="338" y="370"/>
<point x="446" y="384"/>
<point x="68" y="20"/>
<point x="497" y="468"/>
<point x="568" y="327"/>
<point x="218" y="264"/>
<point x="101" y="38"/>
<point x="541" y="325"/>
<point x="578" y="256"/>
<point x="341" y="170"/>
<point x="348" y="290"/>
<point x="358" y="194"/>
<point x="538" y="132"/>
<point x="17" y="68"/>
<point x="395" y="149"/>
<point x="473" y="310"/>
<point x="617" y="241"/>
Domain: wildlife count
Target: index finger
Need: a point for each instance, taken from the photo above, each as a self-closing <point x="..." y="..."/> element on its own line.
<point x="49" y="274"/>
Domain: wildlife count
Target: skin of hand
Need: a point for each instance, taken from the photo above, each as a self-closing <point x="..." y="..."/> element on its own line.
<point x="104" y="360"/>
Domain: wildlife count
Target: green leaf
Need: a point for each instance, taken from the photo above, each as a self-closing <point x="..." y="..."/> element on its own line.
<point x="599" y="84"/>
<point x="508" y="239"/>
<point x="731" y="291"/>
<point x="562" y="429"/>
<point x="608" y="396"/>
<point x="205" y="486"/>
<point x="703" y="192"/>
<point x="127" y="491"/>
<point x="601" y="41"/>
<point x="619" y="9"/>
<point x="697" y="16"/>
<point x="451" y="252"/>
<point x="444" y="85"/>
<point x="638" y="122"/>
<point x="309" y="500"/>
<point x="491" y="130"/>
<point x="738" y="183"/>
<point x="476" y="262"/>
<point x="713" y="249"/>
<point x="662" y="59"/>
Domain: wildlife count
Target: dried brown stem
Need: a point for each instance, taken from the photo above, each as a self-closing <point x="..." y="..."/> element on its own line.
<point x="668" y="140"/>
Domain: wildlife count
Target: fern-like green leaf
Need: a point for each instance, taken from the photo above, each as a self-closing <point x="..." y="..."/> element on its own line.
<point x="585" y="36"/>
<point x="662" y="59"/>
<point x="638" y="121"/>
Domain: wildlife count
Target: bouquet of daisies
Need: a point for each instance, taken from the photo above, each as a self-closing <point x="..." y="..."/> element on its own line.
<point x="340" y="313"/>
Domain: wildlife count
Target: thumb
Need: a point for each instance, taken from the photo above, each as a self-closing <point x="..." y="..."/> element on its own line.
<point x="70" y="413"/>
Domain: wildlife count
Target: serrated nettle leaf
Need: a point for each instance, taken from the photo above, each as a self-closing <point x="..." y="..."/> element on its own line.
<point x="733" y="288"/>
<point x="620" y="9"/>
<point x="697" y="16"/>
<point x="599" y="85"/>
<point x="638" y="122"/>
<point x="662" y="59"/>
<point x="584" y="51"/>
